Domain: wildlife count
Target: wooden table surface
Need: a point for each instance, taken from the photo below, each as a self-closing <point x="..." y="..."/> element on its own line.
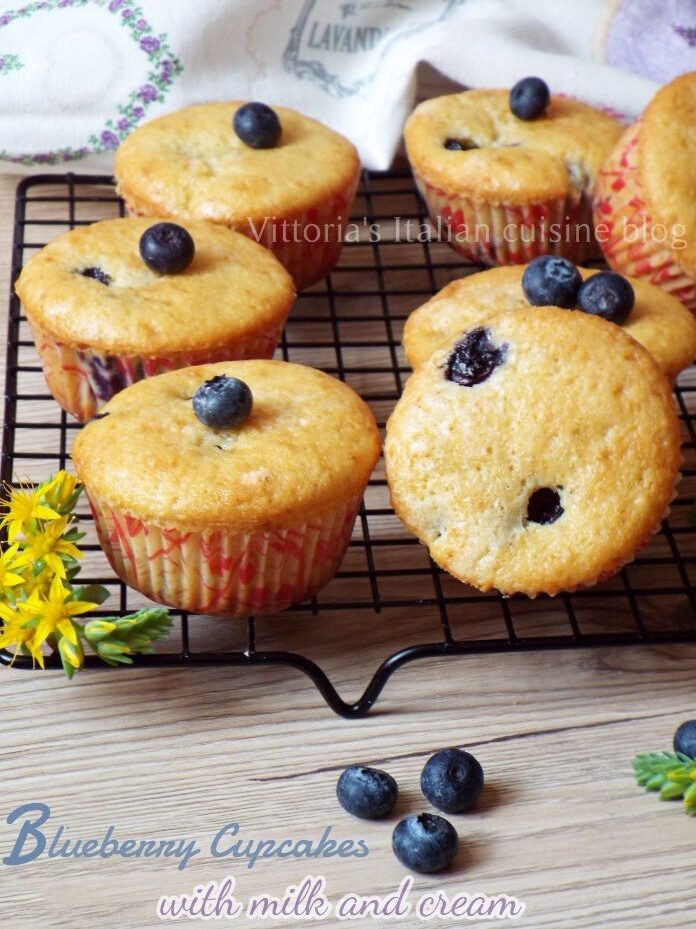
<point x="561" y="824"/>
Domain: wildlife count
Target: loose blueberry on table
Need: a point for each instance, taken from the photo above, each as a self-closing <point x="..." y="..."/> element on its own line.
<point x="223" y="402"/>
<point x="608" y="295"/>
<point x="167" y="248"/>
<point x="529" y="98"/>
<point x="425" y="842"/>
<point x="474" y="358"/>
<point x="257" y="125"/>
<point x="685" y="739"/>
<point x="551" y="281"/>
<point x="96" y="274"/>
<point x="366" y="792"/>
<point x="452" y="780"/>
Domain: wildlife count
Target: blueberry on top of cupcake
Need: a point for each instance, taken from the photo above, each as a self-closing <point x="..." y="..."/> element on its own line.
<point x="167" y="248"/>
<point x="529" y="98"/>
<point x="609" y="295"/>
<point x="551" y="281"/>
<point x="223" y="402"/>
<point x="257" y="125"/>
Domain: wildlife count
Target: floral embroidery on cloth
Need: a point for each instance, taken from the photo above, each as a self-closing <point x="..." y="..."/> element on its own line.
<point x="163" y="66"/>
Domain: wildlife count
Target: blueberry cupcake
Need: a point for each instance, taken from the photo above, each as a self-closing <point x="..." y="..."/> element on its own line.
<point x="655" y="318"/>
<point x="281" y="178"/>
<point x="123" y="299"/>
<point x="244" y="487"/>
<point x="535" y="453"/>
<point x="507" y="175"/>
<point x="644" y="199"/>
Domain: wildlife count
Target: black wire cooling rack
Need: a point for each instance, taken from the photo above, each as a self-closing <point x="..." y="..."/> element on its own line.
<point x="350" y="325"/>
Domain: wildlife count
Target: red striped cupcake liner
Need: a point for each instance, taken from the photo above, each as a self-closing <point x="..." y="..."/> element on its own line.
<point x="82" y="380"/>
<point x="309" y="244"/>
<point x="506" y="233"/>
<point x="632" y="242"/>
<point x="226" y="573"/>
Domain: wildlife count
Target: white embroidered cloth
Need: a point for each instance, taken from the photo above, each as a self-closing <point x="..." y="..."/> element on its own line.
<point x="77" y="75"/>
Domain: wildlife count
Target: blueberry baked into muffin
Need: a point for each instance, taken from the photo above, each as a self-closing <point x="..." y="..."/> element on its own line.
<point x="655" y="318"/>
<point x="510" y="175"/>
<point x="534" y="453"/>
<point x="280" y="177"/>
<point x="124" y="299"/>
<point x="244" y="489"/>
<point x="644" y="199"/>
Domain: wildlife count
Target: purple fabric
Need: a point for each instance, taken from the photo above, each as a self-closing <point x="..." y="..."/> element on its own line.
<point x="655" y="38"/>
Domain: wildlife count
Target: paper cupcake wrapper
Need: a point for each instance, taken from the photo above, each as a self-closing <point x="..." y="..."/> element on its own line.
<point x="226" y="573"/>
<point x="307" y="244"/>
<point x="506" y="233"/>
<point x="82" y="380"/>
<point x="631" y="241"/>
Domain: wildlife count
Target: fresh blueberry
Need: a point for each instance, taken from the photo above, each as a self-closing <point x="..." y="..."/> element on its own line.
<point x="685" y="739"/>
<point x="257" y="125"/>
<point x="366" y="792"/>
<point x="166" y="248"/>
<point x="223" y="402"/>
<point x="425" y="842"/>
<point x="459" y="145"/>
<point x="544" y="506"/>
<point x="608" y="295"/>
<point x="529" y="98"/>
<point x="551" y="281"/>
<point x="452" y="780"/>
<point x="474" y="358"/>
<point x="97" y="275"/>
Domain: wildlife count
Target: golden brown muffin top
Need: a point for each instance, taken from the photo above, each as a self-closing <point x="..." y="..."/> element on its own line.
<point x="232" y="289"/>
<point x="514" y="161"/>
<point x="667" y="150"/>
<point x="192" y="163"/>
<point x="573" y="406"/>
<point x="309" y="443"/>
<point x="658" y="320"/>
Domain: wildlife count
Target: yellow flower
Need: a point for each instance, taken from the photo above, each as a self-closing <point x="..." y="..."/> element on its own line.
<point x="35" y="581"/>
<point x="8" y="574"/>
<point x="17" y="632"/>
<point x="58" y="490"/>
<point x="47" y="545"/>
<point x="23" y="506"/>
<point x="55" y="613"/>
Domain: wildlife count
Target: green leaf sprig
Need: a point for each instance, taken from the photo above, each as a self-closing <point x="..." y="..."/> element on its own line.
<point x="673" y="775"/>
<point x="118" y="637"/>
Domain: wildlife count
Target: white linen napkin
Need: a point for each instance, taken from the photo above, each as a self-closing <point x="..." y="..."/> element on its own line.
<point x="76" y="76"/>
